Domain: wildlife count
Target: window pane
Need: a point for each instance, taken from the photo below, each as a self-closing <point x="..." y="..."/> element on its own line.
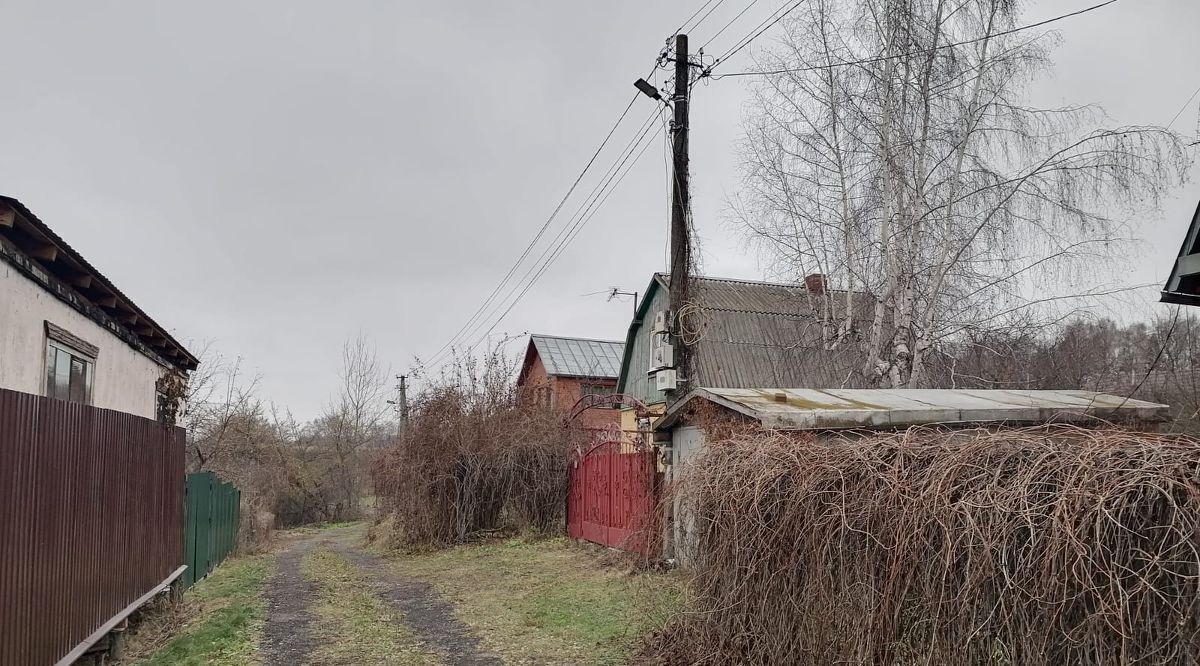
<point x="51" y="355"/>
<point x="78" y="389"/>
<point x="62" y="376"/>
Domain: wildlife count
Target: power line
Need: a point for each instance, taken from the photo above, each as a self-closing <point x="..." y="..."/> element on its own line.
<point x="554" y="244"/>
<point x="867" y="61"/>
<point x="731" y="22"/>
<point x="774" y="18"/>
<point x="689" y="19"/>
<point x="529" y="248"/>
<point x="1183" y="108"/>
<point x="588" y="214"/>
<point x="549" y="254"/>
<point x="702" y="18"/>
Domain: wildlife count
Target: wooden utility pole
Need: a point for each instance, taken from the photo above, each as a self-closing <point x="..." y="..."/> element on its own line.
<point x="403" y="402"/>
<point x="681" y="243"/>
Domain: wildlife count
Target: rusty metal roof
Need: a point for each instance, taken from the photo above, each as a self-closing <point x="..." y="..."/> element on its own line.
<point x="579" y="357"/>
<point x="817" y="409"/>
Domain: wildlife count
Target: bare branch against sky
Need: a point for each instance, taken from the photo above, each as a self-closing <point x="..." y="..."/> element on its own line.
<point x="277" y="176"/>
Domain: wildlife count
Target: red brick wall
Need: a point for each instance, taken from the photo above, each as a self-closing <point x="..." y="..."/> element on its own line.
<point x="566" y="391"/>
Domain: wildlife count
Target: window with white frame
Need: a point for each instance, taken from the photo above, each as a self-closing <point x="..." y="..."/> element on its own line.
<point x="70" y="366"/>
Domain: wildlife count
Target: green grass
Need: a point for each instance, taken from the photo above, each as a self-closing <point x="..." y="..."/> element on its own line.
<point x="332" y="526"/>
<point x="357" y="627"/>
<point x="547" y="601"/>
<point x="219" y="621"/>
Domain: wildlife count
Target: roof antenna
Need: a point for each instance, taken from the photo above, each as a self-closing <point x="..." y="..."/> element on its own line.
<point x="614" y="292"/>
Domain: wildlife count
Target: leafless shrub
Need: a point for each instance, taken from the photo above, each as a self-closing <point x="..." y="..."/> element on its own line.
<point x="475" y="457"/>
<point x="1053" y="545"/>
<point x="290" y="473"/>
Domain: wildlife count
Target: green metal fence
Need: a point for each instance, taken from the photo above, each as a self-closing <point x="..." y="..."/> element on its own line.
<point x="211" y="518"/>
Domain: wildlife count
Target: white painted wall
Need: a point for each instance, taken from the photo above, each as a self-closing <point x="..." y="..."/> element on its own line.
<point x="124" y="377"/>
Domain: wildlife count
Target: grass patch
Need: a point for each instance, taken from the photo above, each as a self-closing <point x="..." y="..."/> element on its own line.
<point x="315" y="527"/>
<point x="357" y="627"/>
<point x="218" y="622"/>
<point x="547" y="601"/>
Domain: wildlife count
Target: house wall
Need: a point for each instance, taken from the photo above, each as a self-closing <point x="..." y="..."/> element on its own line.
<point x="535" y="378"/>
<point x="637" y="383"/>
<point x="566" y="391"/>
<point x="124" y="377"/>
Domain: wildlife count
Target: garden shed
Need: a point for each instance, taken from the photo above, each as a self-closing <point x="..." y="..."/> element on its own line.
<point x="838" y="412"/>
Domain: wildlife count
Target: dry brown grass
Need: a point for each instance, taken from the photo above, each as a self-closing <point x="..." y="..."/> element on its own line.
<point x="1052" y="545"/>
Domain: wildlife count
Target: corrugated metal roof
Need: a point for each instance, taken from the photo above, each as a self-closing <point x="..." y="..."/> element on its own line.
<point x="815" y="409"/>
<point x="755" y="334"/>
<point x="579" y="357"/>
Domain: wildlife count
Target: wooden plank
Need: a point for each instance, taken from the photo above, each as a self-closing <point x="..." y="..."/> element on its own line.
<point x="43" y="252"/>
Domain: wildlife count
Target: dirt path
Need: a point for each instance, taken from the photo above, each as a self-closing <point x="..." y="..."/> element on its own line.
<point x="289" y="637"/>
<point x="430" y="616"/>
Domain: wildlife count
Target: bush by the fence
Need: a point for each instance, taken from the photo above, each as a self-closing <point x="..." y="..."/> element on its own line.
<point x="475" y="457"/>
<point x="1034" y="546"/>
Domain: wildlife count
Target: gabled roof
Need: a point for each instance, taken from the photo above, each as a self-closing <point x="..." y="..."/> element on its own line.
<point x="35" y="250"/>
<point x="575" y="357"/>
<point x="763" y="334"/>
<point x="1183" y="285"/>
<point x="809" y="409"/>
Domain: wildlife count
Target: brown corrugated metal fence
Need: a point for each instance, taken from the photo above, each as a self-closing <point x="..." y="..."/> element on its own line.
<point x="91" y="518"/>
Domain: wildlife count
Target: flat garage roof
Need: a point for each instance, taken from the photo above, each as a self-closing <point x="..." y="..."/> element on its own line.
<point x="828" y="409"/>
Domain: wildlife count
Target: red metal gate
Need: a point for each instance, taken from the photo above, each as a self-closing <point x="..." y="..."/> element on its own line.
<point x="613" y="498"/>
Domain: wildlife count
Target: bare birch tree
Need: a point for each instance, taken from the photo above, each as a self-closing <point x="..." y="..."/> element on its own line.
<point x="920" y="176"/>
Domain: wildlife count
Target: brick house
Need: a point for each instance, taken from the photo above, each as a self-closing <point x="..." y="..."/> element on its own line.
<point x="558" y="371"/>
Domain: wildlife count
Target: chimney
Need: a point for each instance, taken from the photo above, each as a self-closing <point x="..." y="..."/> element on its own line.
<point x="815" y="283"/>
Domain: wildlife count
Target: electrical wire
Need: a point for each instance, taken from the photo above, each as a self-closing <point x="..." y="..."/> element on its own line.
<point x="754" y="33"/>
<point x="1183" y="108"/>
<point x="702" y="18"/>
<point x="731" y="22"/>
<point x="589" y="213"/>
<point x="548" y="255"/>
<point x="529" y="248"/>
<point x="551" y="251"/>
<point x="867" y="61"/>
<point x="689" y="19"/>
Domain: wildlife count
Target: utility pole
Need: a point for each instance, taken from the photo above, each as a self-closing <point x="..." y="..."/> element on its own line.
<point x="403" y="402"/>
<point x="681" y="243"/>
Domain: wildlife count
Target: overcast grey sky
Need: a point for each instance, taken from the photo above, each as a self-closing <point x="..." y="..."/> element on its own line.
<point x="278" y="175"/>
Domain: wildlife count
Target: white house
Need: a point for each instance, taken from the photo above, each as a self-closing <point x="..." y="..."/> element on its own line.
<point x="66" y="332"/>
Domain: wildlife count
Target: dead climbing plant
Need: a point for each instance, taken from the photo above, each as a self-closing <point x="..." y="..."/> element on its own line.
<point x="171" y="389"/>
<point x="1053" y="545"/>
